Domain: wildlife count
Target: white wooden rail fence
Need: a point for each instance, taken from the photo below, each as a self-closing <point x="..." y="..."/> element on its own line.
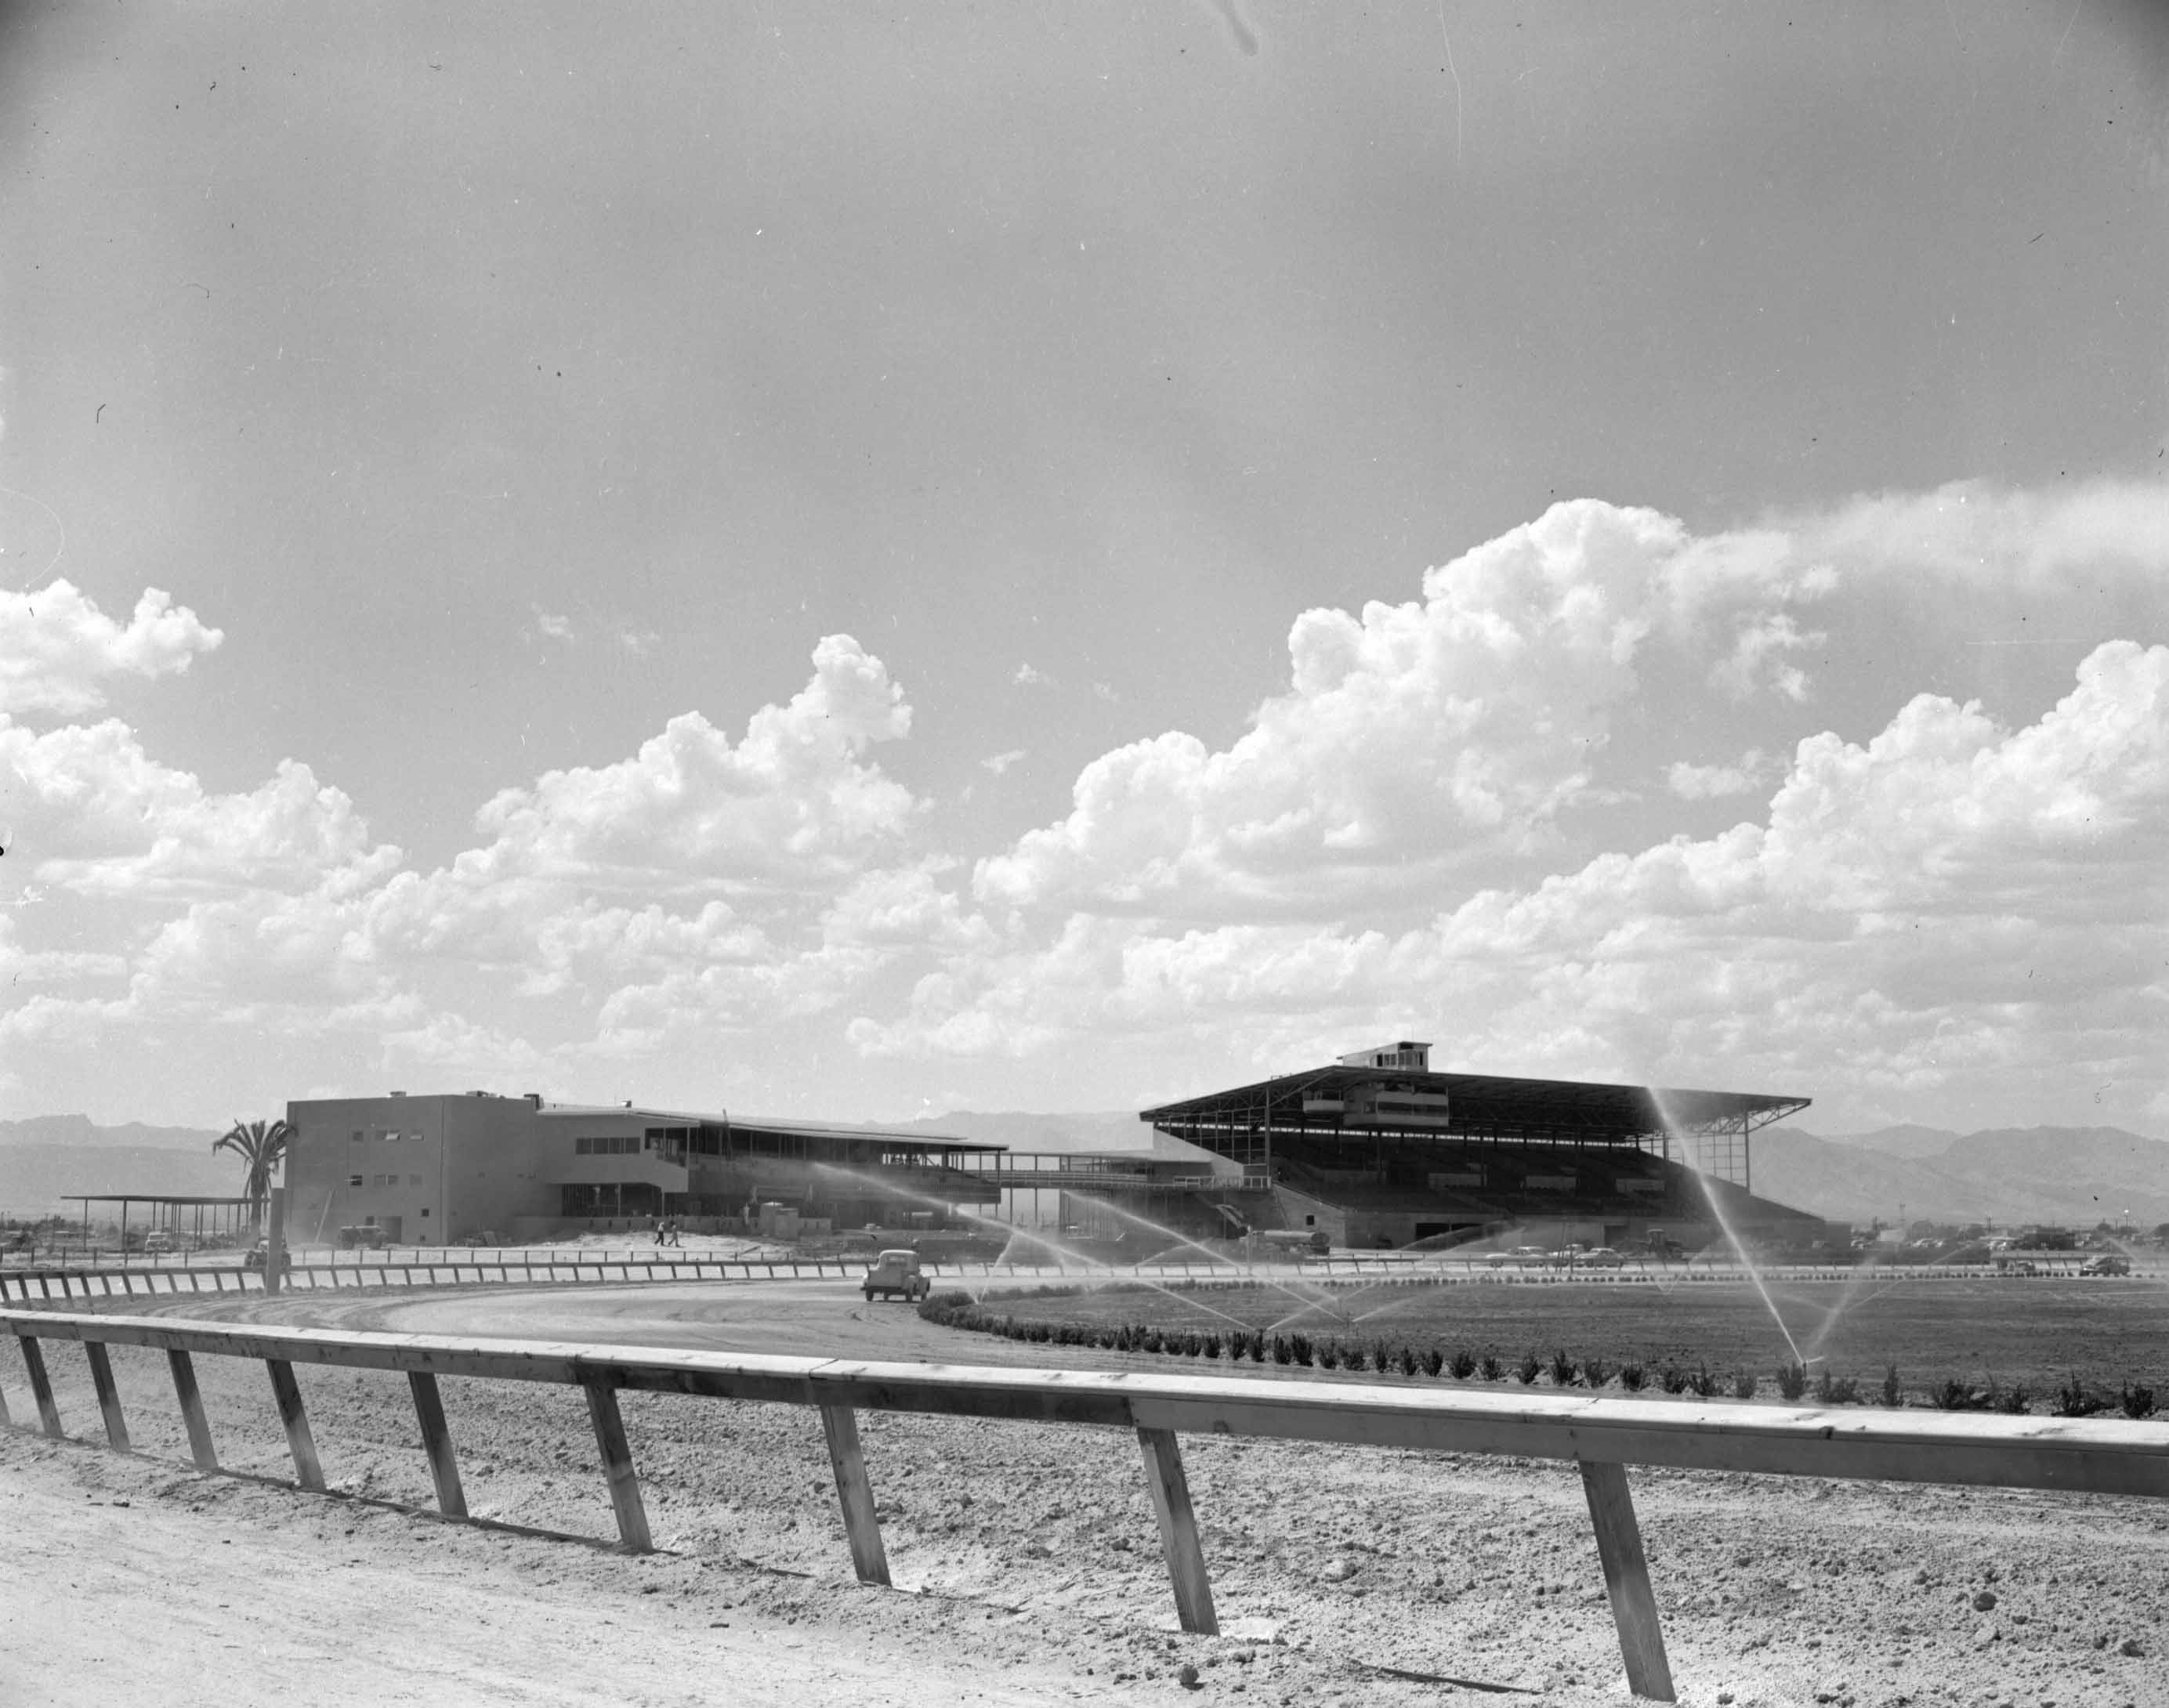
<point x="59" y="1283"/>
<point x="1602" y="1436"/>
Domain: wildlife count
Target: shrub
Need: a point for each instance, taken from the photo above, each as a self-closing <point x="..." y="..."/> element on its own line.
<point x="2137" y="1402"/>
<point x="1463" y="1365"/>
<point x="1212" y="1346"/>
<point x="1705" y="1383"/>
<point x="1631" y="1376"/>
<point x="1952" y="1395"/>
<point x="1792" y="1381"/>
<point x="1329" y="1354"/>
<point x="2074" y="1400"/>
<point x="1595" y="1372"/>
<point x="2013" y="1399"/>
<point x="1837" y="1389"/>
<point x="1672" y="1379"/>
<point x="1299" y="1344"/>
<point x="1381" y="1357"/>
<point x="1257" y="1346"/>
<point x="1434" y="1361"/>
<point x="1494" y="1371"/>
<point x="1151" y="1340"/>
<point x="1744" y="1384"/>
<point x="1563" y="1369"/>
<point x="1282" y="1352"/>
<point x="1525" y="1372"/>
<point x="1407" y="1359"/>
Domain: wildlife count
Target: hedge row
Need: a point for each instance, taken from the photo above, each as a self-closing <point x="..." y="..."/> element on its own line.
<point x="1791" y="1381"/>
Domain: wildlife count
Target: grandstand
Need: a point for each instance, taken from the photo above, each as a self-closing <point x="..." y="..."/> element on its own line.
<point x="1375" y="1150"/>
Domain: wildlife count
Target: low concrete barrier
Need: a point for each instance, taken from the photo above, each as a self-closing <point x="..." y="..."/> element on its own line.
<point x="1602" y="1436"/>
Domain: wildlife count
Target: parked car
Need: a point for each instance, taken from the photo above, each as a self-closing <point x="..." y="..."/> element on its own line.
<point x="1601" y="1258"/>
<point x="896" y="1273"/>
<point x="158" y="1241"/>
<point x="1521" y="1256"/>
<point x="2107" y="1263"/>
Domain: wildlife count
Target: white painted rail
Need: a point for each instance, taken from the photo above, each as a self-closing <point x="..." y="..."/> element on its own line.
<point x="1602" y="1436"/>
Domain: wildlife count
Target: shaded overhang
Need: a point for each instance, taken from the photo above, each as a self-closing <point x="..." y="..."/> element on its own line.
<point x="1320" y="1101"/>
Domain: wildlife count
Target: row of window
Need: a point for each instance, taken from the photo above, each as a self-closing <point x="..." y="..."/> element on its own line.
<point x="609" y="1145"/>
<point x="386" y="1135"/>
<point x="380" y="1179"/>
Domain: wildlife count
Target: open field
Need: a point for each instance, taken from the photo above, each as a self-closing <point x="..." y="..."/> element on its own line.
<point x="1346" y="1575"/>
<point x="2034" y="1332"/>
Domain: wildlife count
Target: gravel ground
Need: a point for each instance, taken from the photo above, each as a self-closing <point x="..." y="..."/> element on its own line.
<point x="1340" y="1574"/>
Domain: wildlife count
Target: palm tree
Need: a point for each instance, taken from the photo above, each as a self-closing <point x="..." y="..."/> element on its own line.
<point x="261" y="1147"/>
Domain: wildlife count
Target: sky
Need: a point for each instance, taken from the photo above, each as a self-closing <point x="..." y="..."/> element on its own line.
<point x="863" y="562"/>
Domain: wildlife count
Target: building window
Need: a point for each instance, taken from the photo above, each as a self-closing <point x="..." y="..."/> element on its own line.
<point x="425" y="1214"/>
<point x="584" y="1148"/>
<point x="353" y="1179"/>
<point x="356" y="1137"/>
<point x="413" y="1179"/>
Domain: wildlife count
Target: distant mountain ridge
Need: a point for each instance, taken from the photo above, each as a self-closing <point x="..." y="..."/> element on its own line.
<point x="2075" y="1176"/>
<point x="80" y="1129"/>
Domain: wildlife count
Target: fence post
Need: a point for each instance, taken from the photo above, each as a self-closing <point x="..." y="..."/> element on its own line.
<point x="192" y="1411"/>
<point x="617" y="1463"/>
<point x="860" y="1523"/>
<point x="34" y="1360"/>
<point x="299" y="1441"/>
<point x="108" y="1395"/>
<point x="437" y="1442"/>
<point x="1627" y="1579"/>
<point x="1177" y="1531"/>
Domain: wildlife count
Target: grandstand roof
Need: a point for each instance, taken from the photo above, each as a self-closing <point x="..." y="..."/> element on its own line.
<point x="1325" y="1101"/>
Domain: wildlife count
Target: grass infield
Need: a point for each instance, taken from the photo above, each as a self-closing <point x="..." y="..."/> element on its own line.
<point x="2028" y="1336"/>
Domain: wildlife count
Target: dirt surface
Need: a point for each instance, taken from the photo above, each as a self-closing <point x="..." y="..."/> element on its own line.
<point x="1026" y="1553"/>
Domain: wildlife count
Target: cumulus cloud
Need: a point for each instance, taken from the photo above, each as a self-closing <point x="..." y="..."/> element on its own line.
<point x="93" y="813"/>
<point x="1951" y="901"/>
<point x="58" y="650"/>
<point x="1743" y="776"/>
<point x="1027" y="676"/>
<point x="794" y="801"/>
<point x="1000" y="762"/>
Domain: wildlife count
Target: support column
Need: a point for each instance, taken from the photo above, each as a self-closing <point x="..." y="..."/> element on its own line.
<point x="274" y="1242"/>
<point x="617" y="1465"/>
<point x="861" y="1523"/>
<point x="34" y="1360"/>
<point x="1177" y="1531"/>
<point x="192" y="1411"/>
<point x="108" y="1395"/>
<point x="299" y="1441"/>
<point x="437" y="1443"/>
<point x="1627" y="1580"/>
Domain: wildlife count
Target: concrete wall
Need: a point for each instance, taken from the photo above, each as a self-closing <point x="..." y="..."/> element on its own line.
<point x="460" y="1165"/>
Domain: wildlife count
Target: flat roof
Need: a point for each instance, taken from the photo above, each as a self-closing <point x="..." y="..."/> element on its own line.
<point x="887" y="1138"/>
<point x="1476" y="1104"/>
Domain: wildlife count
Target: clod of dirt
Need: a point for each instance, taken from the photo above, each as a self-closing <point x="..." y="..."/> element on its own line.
<point x="1187" y="1677"/>
<point x="1985" y="1601"/>
<point x="1338" y="1570"/>
<point x="2131" y="1646"/>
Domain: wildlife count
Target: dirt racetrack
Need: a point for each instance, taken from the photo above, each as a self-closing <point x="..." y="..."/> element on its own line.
<point x="1340" y="1574"/>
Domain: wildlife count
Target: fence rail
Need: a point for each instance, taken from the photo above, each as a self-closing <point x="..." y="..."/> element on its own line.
<point x="1602" y="1436"/>
<point x="40" y="1284"/>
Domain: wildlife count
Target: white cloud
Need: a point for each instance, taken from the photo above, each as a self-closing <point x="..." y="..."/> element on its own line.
<point x="1000" y="762"/>
<point x="92" y="812"/>
<point x="1950" y="907"/>
<point x="58" y="649"/>
<point x="1027" y="676"/>
<point x="1743" y="776"/>
<point x="793" y="802"/>
<point x="553" y="627"/>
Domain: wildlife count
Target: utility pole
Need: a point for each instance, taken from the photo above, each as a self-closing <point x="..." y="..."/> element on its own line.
<point x="274" y="1242"/>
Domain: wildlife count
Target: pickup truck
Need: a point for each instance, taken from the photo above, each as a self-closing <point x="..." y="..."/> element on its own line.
<point x="896" y="1273"/>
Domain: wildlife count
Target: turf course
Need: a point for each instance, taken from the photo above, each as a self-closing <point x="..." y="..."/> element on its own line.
<point x="2035" y="1333"/>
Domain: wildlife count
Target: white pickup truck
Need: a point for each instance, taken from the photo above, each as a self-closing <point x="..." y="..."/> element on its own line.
<point x="896" y="1273"/>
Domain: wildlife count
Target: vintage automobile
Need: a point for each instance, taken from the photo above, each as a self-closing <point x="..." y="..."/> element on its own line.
<point x="2107" y="1263"/>
<point x="896" y="1274"/>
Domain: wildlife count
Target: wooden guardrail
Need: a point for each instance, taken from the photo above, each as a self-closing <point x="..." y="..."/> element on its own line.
<point x="1602" y="1436"/>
